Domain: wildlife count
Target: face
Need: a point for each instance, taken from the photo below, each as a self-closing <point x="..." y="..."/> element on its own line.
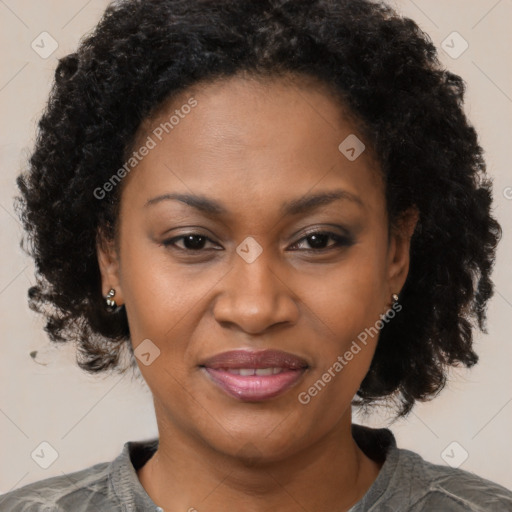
<point x="281" y="245"/>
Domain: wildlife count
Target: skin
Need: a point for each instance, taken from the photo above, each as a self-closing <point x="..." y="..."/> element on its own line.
<point x="252" y="146"/>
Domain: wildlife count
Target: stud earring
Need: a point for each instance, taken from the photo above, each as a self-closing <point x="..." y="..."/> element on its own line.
<point x="111" y="303"/>
<point x="390" y="313"/>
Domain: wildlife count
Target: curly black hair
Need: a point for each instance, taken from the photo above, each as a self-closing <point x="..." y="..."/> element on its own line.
<point x="386" y="72"/>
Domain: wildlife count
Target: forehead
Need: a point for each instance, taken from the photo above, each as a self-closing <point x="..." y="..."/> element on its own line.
<point x="245" y="137"/>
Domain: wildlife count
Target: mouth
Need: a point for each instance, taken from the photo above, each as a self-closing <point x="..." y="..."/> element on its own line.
<point x="252" y="376"/>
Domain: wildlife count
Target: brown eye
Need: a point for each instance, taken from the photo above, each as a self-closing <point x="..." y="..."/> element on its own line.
<point x="191" y="242"/>
<point x="318" y="241"/>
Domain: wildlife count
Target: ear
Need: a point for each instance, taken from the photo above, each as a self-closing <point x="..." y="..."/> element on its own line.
<point x="399" y="249"/>
<point x="108" y="261"/>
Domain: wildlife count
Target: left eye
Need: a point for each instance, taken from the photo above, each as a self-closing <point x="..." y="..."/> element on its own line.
<point x="318" y="240"/>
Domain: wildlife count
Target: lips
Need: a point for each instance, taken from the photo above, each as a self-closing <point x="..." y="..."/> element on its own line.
<point x="254" y="375"/>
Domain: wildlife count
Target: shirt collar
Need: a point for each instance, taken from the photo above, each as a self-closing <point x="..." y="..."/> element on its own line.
<point x="378" y="444"/>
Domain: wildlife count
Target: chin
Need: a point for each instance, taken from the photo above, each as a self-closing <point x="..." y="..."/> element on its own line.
<point x="255" y="440"/>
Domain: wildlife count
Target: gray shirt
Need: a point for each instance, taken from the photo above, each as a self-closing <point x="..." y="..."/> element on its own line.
<point x="406" y="482"/>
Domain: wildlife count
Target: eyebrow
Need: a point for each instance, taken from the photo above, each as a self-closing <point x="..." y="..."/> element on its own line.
<point x="300" y="205"/>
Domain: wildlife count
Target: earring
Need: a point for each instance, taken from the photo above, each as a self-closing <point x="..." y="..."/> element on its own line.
<point x="111" y="303"/>
<point x="390" y="313"/>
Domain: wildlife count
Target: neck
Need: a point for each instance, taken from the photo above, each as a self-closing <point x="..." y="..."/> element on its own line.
<point x="186" y="474"/>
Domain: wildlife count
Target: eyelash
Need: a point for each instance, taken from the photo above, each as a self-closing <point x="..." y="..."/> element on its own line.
<point x="341" y="241"/>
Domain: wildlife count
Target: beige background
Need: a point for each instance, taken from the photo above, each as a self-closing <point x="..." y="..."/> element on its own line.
<point x="87" y="419"/>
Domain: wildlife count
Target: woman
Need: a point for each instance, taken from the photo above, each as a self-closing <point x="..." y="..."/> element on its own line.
<point x="271" y="207"/>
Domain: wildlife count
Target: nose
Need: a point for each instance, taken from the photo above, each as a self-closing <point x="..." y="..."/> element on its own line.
<point x="256" y="296"/>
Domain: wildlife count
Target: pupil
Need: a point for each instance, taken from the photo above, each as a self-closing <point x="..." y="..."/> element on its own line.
<point x="317" y="241"/>
<point x="194" y="242"/>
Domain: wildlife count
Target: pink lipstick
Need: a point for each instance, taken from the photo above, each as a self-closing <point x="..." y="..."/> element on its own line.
<point x="254" y="376"/>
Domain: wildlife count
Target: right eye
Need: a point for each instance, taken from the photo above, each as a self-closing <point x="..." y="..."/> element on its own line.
<point x="192" y="242"/>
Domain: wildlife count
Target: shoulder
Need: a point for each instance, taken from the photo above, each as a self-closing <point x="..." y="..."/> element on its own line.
<point x="103" y="486"/>
<point x="409" y="483"/>
<point x="437" y="487"/>
<point x="61" y="493"/>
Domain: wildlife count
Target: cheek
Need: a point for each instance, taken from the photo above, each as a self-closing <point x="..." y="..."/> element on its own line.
<point x="348" y="306"/>
<point x="166" y="302"/>
<point x="157" y="292"/>
<point x="351" y="297"/>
